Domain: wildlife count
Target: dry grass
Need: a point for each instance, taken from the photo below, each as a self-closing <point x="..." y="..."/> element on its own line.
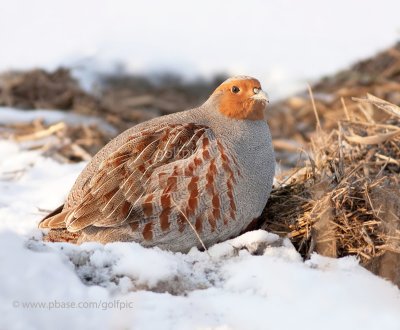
<point x="346" y="199"/>
<point x="293" y="120"/>
<point x="63" y="142"/>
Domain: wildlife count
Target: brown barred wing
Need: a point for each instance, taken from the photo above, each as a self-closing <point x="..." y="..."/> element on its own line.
<point x="160" y="179"/>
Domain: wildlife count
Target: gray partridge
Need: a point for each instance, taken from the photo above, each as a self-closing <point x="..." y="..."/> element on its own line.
<point x="192" y="178"/>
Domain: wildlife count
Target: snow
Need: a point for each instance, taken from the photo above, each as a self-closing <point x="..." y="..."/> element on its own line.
<point x="255" y="281"/>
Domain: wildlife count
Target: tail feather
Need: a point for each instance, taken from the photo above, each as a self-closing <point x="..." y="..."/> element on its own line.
<point x="54" y="220"/>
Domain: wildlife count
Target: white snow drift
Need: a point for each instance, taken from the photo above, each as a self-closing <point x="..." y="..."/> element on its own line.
<point x="256" y="281"/>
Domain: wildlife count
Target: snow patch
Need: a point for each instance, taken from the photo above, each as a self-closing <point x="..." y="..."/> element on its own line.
<point x="255" y="281"/>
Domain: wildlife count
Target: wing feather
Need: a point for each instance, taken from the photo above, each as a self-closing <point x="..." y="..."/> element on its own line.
<point x="158" y="180"/>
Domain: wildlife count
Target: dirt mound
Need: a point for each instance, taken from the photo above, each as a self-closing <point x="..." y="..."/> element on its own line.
<point x="122" y="100"/>
<point x="39" y="89"/>
<point x="132" y="98"/>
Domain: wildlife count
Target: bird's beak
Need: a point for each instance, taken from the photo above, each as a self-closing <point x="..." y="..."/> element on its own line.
<point x="261" y="96"/>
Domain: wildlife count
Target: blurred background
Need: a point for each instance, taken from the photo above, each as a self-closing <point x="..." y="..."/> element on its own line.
<point x="283" y="43"/>
<point x="128" y="61"/>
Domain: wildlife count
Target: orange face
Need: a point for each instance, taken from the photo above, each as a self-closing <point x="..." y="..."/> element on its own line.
<point x="242" y="99"/>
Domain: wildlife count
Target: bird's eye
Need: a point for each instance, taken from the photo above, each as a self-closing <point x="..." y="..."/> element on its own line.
<point x="235" y="89"/>
<point x="256" y="90"/>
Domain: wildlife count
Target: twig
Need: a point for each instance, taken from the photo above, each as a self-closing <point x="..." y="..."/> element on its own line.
<point x="314" y="107"/>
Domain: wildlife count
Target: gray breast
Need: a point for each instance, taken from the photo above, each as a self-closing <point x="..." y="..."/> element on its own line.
<point x="251" y="143"/>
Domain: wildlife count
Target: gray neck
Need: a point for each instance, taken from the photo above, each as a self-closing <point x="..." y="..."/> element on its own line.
<point x="237" y="132"/>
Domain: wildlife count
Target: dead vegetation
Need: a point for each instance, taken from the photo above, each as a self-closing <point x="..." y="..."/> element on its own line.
<point x="346" y="199"/>
<point x="292" y="121"/>
<point x="61" y="141"/>
<point x="39" y="89"/>
<point x="122" y="100"/>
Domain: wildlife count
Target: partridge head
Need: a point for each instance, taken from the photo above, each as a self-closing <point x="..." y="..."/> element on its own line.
<point x="242" y="98"/>
<point x="188" y="179"/>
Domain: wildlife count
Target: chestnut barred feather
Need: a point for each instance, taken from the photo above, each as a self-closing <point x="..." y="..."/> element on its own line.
<point x="154" y="177"/>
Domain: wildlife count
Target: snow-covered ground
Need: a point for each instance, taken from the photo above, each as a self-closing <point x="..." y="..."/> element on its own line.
<point x="256" y="281"/>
